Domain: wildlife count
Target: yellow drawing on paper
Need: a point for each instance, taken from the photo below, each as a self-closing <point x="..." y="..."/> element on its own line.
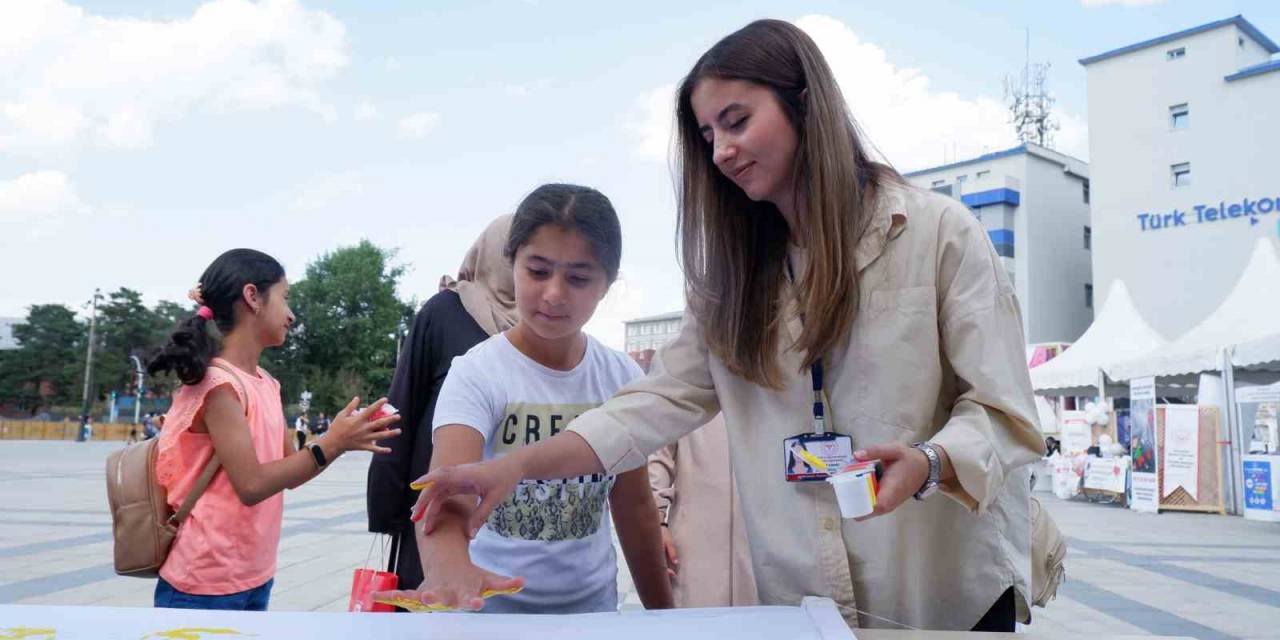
<point x="27" y="633"/>
<point x="415" y="606"/>
<point x="194" y="633"/>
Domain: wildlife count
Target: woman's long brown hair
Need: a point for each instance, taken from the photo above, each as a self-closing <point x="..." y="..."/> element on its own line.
<point x="734" y="249"/>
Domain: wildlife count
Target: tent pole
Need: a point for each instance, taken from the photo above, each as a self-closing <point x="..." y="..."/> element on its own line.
<point x="1231" y="433"/>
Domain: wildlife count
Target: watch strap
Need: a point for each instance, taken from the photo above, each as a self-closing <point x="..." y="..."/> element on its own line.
<point x="935" y="470"/>
<point x="318" y="454"/>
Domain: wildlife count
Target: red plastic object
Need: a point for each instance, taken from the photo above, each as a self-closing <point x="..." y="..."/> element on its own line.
<point x="364" y="583"/>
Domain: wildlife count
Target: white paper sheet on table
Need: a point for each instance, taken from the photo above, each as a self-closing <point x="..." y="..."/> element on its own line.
<point x="814" y="619"/>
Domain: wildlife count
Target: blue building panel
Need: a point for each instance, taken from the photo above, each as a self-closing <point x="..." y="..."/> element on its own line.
<point x="990" y="197"/>
<point x="1257" y="69"/>
<point x="1001" y="236"/>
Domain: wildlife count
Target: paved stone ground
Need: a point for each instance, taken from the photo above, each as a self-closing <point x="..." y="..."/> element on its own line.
<point x="1205" y="576"/>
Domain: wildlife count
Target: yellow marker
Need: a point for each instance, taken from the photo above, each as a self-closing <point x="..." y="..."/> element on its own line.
<point x="813" y="460"/>
<point x="417" y="606"/>
<point x="194" y="633"/>
<point x="419" y="486"/>
<point x="27" y="633"/>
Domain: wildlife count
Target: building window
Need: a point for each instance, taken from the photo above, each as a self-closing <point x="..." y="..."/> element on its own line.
<point x="1084" y="188"/>
<point x="982" y="174"/>
<point x="1088" y="296"/>
<point x="938" y="183"/>
<point x="1181" y="174"/>
<point x="1088" y="238"/>
<point x="1240" y="41"/>
<point x="1174" y="54"/>
<point x="1179" y="116"/>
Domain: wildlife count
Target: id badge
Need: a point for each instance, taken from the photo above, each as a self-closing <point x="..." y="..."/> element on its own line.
<point x="810" y="457"/>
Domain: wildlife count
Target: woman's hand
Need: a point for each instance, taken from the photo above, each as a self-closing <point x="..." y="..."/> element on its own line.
<point x="456" y="584"/>
<point x="669" y="546"/>
<point x="490" y="482"/>
<point x="905" y="471"/>
<point x="352" y="431"/>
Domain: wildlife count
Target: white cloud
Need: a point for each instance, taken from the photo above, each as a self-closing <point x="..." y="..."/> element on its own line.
<point x="910" y="123"/>
<point x="68" y="77"/>
<point x="652" y="123"/>
<point x="366" y="111"/>
<point x="1090" y="4"/>
<point x="34" y="205"/>
<point x="418" y="125"/>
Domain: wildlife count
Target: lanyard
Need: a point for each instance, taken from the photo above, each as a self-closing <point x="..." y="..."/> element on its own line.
<point x="815" y="373"/>
<point x="819" y="414"/>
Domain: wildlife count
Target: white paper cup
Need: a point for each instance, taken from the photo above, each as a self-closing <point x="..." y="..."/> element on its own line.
<point x="855" y="492"/>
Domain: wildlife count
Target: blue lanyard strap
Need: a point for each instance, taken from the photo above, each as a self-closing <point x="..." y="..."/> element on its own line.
<point x="815" y="370"/>
<point x="819" y="413"/>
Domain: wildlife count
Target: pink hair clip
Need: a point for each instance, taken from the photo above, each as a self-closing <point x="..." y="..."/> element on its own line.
<point x="196" y="295"/>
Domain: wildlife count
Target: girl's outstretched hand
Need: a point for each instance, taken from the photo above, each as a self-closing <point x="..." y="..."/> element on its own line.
<point x="352" y="431"/>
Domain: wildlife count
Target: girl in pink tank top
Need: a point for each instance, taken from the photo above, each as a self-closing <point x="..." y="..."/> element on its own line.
<point x="224" y="556"/>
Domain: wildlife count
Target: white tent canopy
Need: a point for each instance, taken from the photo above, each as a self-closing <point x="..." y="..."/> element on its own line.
<point x="1249" y="315"/>
<point x="1118" y="332"/>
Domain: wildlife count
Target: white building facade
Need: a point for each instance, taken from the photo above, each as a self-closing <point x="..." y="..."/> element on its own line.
<point x="1182" y="129"/>
<point x="1034" y="203"/>
<point x="644" y="336"/>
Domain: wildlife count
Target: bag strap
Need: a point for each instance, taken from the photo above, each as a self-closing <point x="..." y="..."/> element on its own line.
<point x="213" y="465"/>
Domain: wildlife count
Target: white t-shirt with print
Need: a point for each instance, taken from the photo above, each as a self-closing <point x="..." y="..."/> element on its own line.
<point x="555" y="534"/>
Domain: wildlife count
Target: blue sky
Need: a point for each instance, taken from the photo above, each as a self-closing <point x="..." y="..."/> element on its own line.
<point x="136" y="143"/>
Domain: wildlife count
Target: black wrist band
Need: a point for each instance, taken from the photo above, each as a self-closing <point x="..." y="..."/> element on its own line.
<point x="318" y="454"/>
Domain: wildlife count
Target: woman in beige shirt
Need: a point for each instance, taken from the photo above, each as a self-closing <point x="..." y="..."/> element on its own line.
<point x="799" y="249"/>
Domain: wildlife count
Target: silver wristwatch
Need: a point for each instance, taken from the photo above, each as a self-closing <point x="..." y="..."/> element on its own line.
<point x="935" y="470"/>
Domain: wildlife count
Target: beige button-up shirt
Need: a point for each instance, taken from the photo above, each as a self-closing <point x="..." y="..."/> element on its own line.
<point x="936" y="353"/>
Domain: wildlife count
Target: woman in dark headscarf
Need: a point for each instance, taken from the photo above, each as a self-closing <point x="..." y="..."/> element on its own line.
<point x="465" y="312"/>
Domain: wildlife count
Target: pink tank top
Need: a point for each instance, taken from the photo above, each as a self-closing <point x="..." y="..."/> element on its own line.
<point x="223" y="546"/>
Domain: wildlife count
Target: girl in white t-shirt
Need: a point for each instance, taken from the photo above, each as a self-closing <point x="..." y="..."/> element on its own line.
<point x="523" y="386"/>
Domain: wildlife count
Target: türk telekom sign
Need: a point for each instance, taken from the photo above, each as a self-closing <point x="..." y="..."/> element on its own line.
<point x="1224" y="211"/>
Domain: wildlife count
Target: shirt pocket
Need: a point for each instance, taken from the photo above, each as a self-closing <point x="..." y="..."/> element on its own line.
<point x="898" y="358"/>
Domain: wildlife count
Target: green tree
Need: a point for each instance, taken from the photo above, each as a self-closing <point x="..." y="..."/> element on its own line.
<point x="47" y="365"/>
<point x="128" y="328"/>
<point x="348" y="322"/>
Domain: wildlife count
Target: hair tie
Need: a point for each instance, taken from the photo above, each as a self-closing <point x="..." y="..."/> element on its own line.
<point x="205" y="312"/>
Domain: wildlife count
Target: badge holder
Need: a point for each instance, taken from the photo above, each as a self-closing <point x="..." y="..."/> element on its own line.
<point x="816" y="456"/>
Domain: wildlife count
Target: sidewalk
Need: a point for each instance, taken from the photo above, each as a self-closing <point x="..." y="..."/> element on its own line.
<point x="1210" y="577"/>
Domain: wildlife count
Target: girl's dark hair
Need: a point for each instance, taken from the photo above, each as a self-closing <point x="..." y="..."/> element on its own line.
<point x="194" y="342"/>
<point x="573" y="207"/>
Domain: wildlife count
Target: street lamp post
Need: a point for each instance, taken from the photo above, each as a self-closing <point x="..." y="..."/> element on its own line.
<point x="88" y="365"/>
<point x="137" y="403"/>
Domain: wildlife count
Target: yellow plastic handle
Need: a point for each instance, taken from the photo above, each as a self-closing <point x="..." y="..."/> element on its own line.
<point x="416" y="606"/>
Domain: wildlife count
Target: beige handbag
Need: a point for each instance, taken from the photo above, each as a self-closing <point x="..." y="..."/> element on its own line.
<point x="1048" y="551"/>
<point x="142" y="524"/>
